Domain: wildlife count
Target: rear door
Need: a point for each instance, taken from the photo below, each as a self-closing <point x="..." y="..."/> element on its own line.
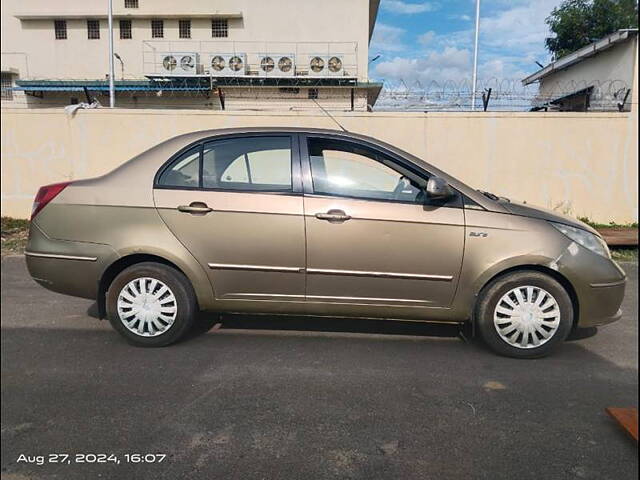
<point x="236" y="204"/>
<point x="371" y="237"/>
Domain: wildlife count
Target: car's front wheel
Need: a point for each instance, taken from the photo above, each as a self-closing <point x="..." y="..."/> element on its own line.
<point x="151" y="304"/>
<point x="524" y="314"/>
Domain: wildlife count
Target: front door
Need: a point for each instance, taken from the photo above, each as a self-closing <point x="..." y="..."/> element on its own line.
<point x="371" y="238"/>
<point x="236" y="204"/>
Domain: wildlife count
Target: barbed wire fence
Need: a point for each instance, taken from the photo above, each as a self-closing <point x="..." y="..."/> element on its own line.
<point x="395" y="96"/>
<point x="501" y="95"/>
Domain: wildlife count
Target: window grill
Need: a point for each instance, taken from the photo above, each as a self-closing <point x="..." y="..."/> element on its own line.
<point x="93" y="29"/>
<point x="60" y="27"/>
<point x="125" y="29"/>
<point x="219" y="28"/>
<point x="184" y="28"/>
<point x="5" y="89"/>
<point x="130" y="3"/>
<point x="157" y="29"/>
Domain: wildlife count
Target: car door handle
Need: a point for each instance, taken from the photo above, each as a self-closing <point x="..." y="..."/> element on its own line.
<point x="334" y="216"/>
<point x="195" y="208"/>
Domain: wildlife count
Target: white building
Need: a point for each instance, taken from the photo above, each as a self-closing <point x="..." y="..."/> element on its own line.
<point x="598" y="77"/>
<point x="220" y="54"/>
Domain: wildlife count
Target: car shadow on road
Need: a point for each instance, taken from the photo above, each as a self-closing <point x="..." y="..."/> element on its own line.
<point x="207" y="322"/>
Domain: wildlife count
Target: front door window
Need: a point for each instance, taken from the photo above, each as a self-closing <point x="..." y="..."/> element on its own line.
<point x="348" y="170"/>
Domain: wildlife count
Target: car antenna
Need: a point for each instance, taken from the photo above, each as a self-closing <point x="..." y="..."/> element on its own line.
<point x="330" y="116"/>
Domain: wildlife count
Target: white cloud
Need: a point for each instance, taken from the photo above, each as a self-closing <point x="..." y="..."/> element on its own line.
<point x="427" y="37"/>
<point x="400" y="7"/>
<point x="521" y="27"/>
<point x="451" y="64"/>
<point x="512" y="34"/>
<point x="511" y="38"/>
<point x="387" y="39"/>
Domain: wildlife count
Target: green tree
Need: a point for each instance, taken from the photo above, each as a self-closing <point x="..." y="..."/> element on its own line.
<point x="576" y="23"/>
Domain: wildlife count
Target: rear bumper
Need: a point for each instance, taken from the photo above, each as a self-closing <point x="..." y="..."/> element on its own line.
<point x="71" y="268"/>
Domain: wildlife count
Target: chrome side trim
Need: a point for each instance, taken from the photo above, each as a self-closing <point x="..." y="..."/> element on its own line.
<point x="609" y="284"/>
<point x="360" y="273"/>
<point x="231" y="296"/>
<point x="262" y="268"/>
<point x="365" y="299"/>
<point x="269" y="295"/>
<point x="326" y="271"/>
<point x="60" y="256"/>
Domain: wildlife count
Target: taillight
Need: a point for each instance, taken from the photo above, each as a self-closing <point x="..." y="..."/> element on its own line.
<point x="45" y="195"/>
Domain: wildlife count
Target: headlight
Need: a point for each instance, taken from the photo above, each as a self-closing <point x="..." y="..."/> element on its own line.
<point x="584" y="238"/>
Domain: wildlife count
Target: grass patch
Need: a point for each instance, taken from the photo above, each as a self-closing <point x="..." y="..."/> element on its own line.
<point x="14" y="235"/>
<point x="593" y="224"/>
<point x="624" y="254"/>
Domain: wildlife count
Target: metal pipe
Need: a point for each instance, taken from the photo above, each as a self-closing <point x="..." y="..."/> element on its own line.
<point x="475" y="58"/>
<point x="112" y="93"/>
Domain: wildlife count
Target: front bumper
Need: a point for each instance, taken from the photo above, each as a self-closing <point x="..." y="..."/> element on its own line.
<point x="599" y="284"/>
<point x="602" y="306"/>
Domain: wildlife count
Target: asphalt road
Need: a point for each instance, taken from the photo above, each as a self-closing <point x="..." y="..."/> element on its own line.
<point x="293" y="398"/>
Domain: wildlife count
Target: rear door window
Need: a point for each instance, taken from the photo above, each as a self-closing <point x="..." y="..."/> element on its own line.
<point x="252" y="163"/>
<point x="184" y="171"/>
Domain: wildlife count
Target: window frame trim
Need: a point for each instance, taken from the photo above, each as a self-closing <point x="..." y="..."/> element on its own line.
<point x="296" y="180"/>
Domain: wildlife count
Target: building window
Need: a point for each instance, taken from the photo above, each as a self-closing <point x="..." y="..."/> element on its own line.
<point x="7" y="84"/>
<point x="157" y="29"/>
<point x="130" y="3"/>
<point x="313" y="94"/>
<point x="184" y="28"/>
<point x="93" y="29"/>
<point x="219" y="28"/>
<point x="60" y="27"/>
<point x="125" y="29"/>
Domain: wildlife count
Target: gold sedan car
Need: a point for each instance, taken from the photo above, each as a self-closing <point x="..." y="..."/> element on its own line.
<point x="315" y="222"/>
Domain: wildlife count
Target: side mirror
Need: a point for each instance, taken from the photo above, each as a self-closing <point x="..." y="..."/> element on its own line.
<point x="439" y="189"/>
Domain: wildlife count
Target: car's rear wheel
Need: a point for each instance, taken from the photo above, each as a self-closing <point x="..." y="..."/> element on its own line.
<point x="524" y="314"/>
<point x="151" y="304"/>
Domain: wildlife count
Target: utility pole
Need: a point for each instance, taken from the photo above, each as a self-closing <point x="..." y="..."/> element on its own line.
<point x="112" y="93"/>
<point x="475" y="58"/>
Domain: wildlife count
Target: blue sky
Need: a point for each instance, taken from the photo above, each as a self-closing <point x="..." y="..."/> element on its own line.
<point x="432" y="41"/>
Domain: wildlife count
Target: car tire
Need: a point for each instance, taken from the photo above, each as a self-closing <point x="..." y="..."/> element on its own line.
<point x="151" y="304"/>
<point x="524" y="314"/>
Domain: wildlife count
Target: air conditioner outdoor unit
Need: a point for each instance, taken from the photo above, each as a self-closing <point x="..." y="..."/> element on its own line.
<point x="276" y="65"/>
<point x="326" y="66"/>
<point x="227" y="65"/>
<point x="179" y="63"/>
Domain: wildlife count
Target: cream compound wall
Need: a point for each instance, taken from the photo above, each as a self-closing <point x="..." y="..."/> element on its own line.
<point x="577" y="163"/>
